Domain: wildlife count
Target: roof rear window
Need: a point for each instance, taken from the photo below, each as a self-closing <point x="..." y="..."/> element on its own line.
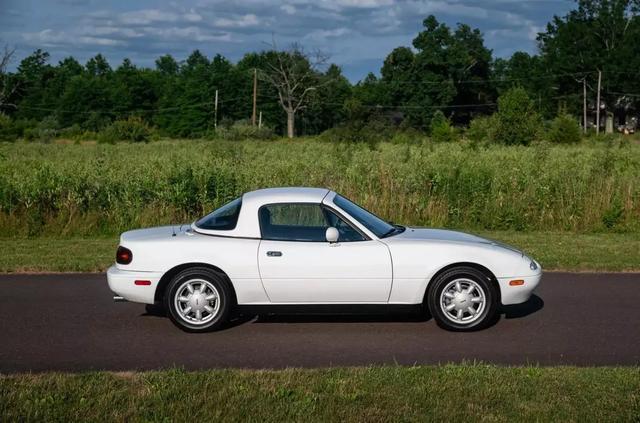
<point x="224" y="218"/>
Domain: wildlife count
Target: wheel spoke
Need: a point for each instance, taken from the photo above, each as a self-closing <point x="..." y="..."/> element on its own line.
<point x="449" y="295"/>
<point x="460" y="313"/>
<point x="471" y="310"/>
<point x="471" y="289"/>
<point x="197" y="301"/>
<point x="458" y="286"/>
<point x="450" y="307"/>
<point x="476" y="299"/>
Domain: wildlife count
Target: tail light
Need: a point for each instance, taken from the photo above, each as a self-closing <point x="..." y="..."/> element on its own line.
<point x="123" y="255"/>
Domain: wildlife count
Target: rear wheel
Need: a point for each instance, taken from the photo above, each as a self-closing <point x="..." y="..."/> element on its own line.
<point x="463" y="299"/>
<point x="198" y="300"/>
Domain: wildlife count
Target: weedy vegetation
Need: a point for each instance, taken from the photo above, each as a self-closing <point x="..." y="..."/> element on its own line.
<point x="101" y="189"/>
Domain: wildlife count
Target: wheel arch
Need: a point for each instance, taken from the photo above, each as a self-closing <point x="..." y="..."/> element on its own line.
<point x="484" y="270"/>
<point x="169" y="274"/>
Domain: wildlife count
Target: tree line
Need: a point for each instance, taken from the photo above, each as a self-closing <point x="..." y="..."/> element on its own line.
<point x="446" y="71"/>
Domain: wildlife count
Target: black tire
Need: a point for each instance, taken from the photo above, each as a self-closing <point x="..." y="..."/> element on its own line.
<point x="484" y="317"/>
<point x="222" y="286"/>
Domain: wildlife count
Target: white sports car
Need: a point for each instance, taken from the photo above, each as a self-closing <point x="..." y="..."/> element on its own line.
<point x="312" y="250"/>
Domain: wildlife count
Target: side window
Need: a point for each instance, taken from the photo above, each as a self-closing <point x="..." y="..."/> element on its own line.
<point x="223" y="219"/>
<point x="302" y="222"/>
<point x="347" y="232"/>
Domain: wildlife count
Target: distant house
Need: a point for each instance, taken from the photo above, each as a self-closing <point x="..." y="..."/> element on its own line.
<point x="620" y="116"/>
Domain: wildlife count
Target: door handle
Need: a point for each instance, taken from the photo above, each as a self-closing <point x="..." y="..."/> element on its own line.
<point x="274" y="253"/>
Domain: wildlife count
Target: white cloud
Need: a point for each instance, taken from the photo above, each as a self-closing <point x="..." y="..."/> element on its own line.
<point x="238" y="22"/>
<point x="188" y="33"/>
<point x="289" y="9"/>
<point x="323" y="34"/>
<point x="52" y="38"/>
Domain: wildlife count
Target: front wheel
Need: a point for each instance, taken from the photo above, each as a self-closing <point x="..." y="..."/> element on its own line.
<point x="463" y="299"/>
<point x="198" y="300"/>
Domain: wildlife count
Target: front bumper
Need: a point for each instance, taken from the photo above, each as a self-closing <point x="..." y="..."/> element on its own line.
<point x="520" y="293"/>
<point x="123" y="284"/>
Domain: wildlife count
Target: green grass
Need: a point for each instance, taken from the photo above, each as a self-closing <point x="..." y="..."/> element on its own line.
<point x="554" y="250"/>
<point x="57" y="254"/>
<point x="89" y="189"/>
<point x="443" y="393"/>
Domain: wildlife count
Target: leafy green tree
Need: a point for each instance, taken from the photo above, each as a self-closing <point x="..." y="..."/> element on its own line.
<point x="518" y="123"/>
<point x="449" y="68"/>
<point x="33" y="76"/>
<point x="599" y="35"/>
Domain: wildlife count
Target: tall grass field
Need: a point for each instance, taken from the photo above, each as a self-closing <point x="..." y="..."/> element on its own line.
<point x="101" y="189"/>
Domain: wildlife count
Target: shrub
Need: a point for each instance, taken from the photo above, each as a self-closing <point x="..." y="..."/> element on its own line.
<point x="441" y="129"/>
<point x="133" y="129"/>
<point x="517" y="121"/>
<point x="407" y="136"/>
<point x="45" y="130"/>
<point x="564" y="130"/>
<point x="242" y="130"/>
<point x="482" y="129"/>
<point x="7" y="132"/>
<point x="12" y="129"/>
<point x="376" y="129"/>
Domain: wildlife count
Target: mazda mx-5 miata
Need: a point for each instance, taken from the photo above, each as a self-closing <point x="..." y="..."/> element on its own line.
<point x="311" y="250"/>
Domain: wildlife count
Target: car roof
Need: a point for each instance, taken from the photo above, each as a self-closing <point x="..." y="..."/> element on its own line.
<point x="247" y="225"/>
<point x="286" y="194"/>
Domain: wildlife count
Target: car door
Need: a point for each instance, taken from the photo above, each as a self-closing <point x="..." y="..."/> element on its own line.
<point x="298" y="265"/>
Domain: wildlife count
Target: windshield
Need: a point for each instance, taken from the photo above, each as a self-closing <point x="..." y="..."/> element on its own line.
<point x="369" y="220"/>
<point x="223" y="219"/>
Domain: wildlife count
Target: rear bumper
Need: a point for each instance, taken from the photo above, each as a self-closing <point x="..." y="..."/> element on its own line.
<point x="123" y="284"/>
<point x="520" y="293"/>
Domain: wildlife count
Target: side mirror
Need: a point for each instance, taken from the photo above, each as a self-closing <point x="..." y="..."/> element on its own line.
<point x="332" y="235"/>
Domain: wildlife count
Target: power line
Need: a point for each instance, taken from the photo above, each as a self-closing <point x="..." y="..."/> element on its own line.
<point x="483" y="81"/>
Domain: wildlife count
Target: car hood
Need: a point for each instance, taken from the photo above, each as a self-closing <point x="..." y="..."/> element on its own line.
<point x="440" y="235"/>
<point x="425" y="234"/>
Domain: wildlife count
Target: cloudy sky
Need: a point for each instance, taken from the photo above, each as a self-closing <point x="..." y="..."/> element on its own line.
<point x="358" y="34"/>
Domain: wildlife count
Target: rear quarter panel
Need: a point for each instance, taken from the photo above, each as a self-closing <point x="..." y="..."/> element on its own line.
<point x="237" y="257"/>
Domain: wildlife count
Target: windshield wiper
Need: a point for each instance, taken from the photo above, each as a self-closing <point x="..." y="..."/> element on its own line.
<point x="396" y="229"/>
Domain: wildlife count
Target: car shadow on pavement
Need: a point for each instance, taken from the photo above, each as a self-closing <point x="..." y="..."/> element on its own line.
<point x="343" y="318"/>
<point x="516" y="311"/>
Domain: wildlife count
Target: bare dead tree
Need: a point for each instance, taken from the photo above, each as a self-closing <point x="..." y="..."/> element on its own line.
<point x="295" y="74"/>
<point x="7" y="87"/>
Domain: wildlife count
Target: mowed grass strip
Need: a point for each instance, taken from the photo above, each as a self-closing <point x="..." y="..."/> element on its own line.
<point x="554" y="250"/>
<point x="450" y="392"/>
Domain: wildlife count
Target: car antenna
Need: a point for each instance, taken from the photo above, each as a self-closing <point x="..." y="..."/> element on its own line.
<point x="173" y="230"/>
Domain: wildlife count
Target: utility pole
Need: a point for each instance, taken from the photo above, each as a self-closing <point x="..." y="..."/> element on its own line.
<point x="584" y="105"/>
<point x="255" y="94"/>
<point x="215" y="112"/>
<point x="260" y="120"/>
<point x="598" y="103"/>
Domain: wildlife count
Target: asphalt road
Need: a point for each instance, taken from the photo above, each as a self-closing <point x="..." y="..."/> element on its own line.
<point x="69" y="322"/>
